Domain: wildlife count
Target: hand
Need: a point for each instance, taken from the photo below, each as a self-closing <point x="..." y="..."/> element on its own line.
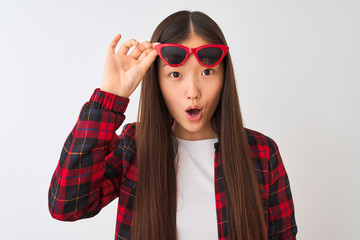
<point x="123" y="72"/>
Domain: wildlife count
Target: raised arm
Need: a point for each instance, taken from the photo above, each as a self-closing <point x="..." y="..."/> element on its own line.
<point x="87" y="175"/>
<point x="90" y="167"/>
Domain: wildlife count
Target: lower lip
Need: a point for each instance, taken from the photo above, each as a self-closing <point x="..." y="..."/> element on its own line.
<point x="194" y="118"/>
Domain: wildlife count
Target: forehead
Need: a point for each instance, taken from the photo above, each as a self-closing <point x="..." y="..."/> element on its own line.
<point x="194" y="41"/>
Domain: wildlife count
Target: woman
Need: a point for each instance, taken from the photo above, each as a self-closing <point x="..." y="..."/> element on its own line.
<point x="187" y="169"/>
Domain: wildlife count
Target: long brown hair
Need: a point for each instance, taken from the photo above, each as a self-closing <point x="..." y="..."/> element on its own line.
<point x="156" y="197"/>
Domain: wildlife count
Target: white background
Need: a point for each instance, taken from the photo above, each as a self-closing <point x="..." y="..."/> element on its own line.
<point x="297" y="68"/>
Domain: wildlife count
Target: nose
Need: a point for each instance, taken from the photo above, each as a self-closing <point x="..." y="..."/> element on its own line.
<point x="192" y="88"/>
<point x="192" y="83"/>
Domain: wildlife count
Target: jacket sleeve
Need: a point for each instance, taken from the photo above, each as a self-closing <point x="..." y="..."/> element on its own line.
<point x="281" y="215"/>
<point x="87" y="175"/>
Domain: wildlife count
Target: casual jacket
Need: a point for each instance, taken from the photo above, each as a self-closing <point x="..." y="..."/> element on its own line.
<point x="97" y="165"/>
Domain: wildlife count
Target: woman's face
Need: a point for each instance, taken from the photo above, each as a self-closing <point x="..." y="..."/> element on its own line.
<point x="191" y="84"/>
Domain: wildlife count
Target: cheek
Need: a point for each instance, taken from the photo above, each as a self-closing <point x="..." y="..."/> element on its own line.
<point x="215" y="100"/>
<point x="214" y="95"/>
<point x="169" y="94"/>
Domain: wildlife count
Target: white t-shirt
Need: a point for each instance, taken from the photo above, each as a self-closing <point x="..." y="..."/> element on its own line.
<point x="196" y="210"/>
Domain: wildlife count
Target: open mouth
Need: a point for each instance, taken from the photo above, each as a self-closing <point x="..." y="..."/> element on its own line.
<point x="194" y="112"/>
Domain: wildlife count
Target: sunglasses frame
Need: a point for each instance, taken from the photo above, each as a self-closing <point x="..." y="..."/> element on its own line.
<point x="189" y="51"/>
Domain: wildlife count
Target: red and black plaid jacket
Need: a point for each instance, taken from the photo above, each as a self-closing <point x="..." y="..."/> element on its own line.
<point x="97" y="165"/>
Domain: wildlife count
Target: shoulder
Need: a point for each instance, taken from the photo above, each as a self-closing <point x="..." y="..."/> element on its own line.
<point x="258" y="140"/>
<point x="266" y="157"/>
<point x="265" y="152"/>
<point x="263" y="148"/>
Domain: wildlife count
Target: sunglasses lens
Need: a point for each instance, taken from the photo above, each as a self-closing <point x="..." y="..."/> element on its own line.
<point x="173" y="55"/>
<point x="210" y="55"/>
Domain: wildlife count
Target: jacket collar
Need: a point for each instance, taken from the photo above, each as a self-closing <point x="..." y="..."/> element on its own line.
<point x="217" y="147"/>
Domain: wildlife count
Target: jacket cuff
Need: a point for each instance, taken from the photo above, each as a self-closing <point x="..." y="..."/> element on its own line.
<point x="109" y="101"/>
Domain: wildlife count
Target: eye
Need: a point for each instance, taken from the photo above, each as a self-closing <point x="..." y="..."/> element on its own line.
<point x="175" y="74"/>
<point x="207" y="72"/>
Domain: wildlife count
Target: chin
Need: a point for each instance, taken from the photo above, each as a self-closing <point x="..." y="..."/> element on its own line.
<point x="194" y="129"/>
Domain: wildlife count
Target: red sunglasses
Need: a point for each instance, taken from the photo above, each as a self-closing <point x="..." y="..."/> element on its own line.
<point x="175" y="55"/>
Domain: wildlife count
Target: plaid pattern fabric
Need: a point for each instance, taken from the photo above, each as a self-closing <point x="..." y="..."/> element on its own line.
<point x="97" y="165"/>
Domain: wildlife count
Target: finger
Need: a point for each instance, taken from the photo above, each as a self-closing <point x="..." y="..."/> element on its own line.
<point x="114" y="42"/>
<point x="144" y="54"/>
<point x="124" y="48"/>
<point x="140" y="49"/>
<point x="148" y="60"/>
